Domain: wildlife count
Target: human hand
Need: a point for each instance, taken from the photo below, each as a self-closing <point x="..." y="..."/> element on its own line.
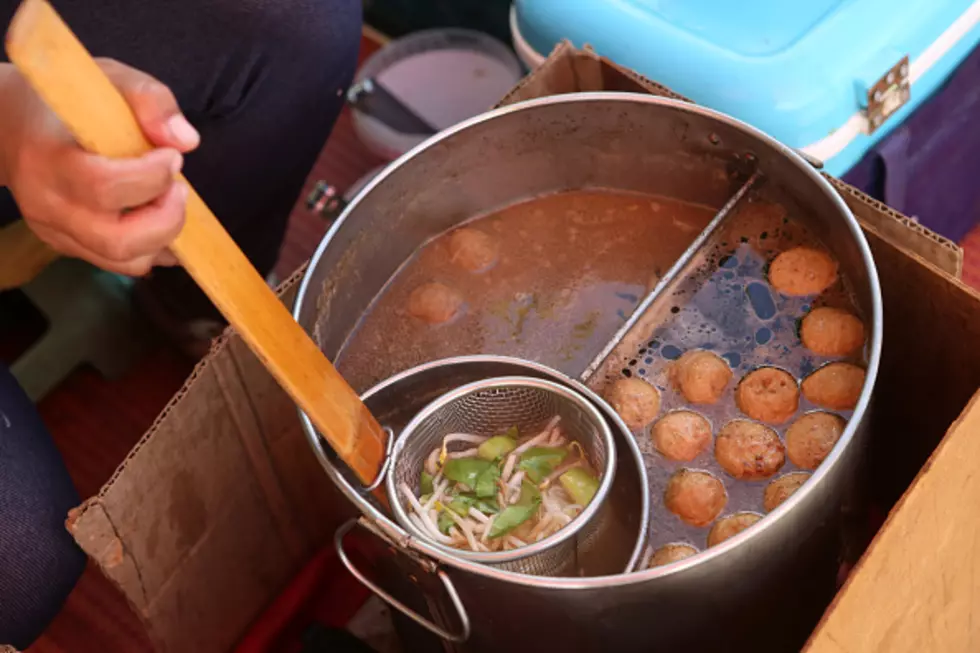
<point x="119" y="214"/>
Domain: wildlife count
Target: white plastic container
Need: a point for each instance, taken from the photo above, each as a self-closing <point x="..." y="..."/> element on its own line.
<point x="444" y="76"/>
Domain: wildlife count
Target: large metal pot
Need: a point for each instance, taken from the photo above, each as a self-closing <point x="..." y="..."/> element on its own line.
<point x="761" y="590"/>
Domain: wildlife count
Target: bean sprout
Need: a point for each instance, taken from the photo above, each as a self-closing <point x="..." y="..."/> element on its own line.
<point x="564" y="467"/>
<point x="540" y="527"/>
<point x="466" y="526"/>
<point x="539" y="438"/>
<point x="508" y="467"/>
<point x="479" y="516"/>
<point x="432" y="463"/>
<point x="518" y="512"/>
<point x="437" y="494"/>
<point x="430" y="528"/>
<point x="466" y="453"/>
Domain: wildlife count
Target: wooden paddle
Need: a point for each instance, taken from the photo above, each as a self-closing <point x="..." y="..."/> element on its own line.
<point x="68" y="79"/>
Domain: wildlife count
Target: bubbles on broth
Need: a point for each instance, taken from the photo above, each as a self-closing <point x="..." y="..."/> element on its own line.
<point x="727" y="306"/>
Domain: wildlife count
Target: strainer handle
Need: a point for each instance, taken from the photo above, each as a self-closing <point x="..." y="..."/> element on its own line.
<point x="447" y="583"/>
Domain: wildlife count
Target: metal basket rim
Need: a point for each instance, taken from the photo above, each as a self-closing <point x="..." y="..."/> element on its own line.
<point x="555" y="539"/>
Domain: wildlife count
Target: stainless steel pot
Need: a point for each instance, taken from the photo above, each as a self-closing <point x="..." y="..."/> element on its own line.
<point x="764" y="588"/>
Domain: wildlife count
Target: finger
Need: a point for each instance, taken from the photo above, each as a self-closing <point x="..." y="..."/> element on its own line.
<point x="145" y="231"/>
<point x="154" y="105"/>
<point x="111" y="185"/>
<point x="64" y="243"/>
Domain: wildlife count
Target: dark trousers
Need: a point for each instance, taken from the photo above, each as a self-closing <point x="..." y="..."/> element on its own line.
<point x="263" y="82"/>
<point x="39" y="561"/>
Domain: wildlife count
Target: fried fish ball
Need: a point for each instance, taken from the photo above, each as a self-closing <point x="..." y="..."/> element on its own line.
<point x="681" y="435"/>
<point x="782" y="488"/>
<point x="701" y="376"/>
<point x="635" y="400"/>
<point x="768" y="394"/>
<point x="696" y="497"/>
<point x="669" y="553"/>
<point x="434" y="303"/>
<point x="810" y="438"/>
<point x="831" y="332"/>
<point x="731" y="526"/>
<point x="803" y="271"/>
<point x="836" y="386"/>
<point x="473" y="250"/>
<point x="749" y="451"/>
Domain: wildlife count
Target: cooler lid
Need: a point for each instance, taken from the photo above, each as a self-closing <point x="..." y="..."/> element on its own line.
<point x="752" y="29"/>
<point x="800" y="71"/>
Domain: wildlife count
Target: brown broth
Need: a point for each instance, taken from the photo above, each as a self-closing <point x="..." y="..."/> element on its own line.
<point x="572" y="267"/>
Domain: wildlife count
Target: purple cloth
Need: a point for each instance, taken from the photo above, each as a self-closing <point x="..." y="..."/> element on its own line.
<point x="929" y="167"/>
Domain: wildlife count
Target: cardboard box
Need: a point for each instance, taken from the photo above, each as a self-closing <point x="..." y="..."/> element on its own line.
<point x="222" y="501"/>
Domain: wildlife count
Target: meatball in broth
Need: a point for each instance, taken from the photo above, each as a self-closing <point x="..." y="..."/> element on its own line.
<point x="749" y="451"/>
<point x="731" y="526"/>
<point x="701" y="376"/>
<point x="696" y="497"/>
<point x="811" y="438"/>
<point x="782" y="488"/>
<point x="635" y="400"/>
<point x="768" y="394"/>
<point x="434" y="303"/>
<point x="831" y="332"/>
<point x="802" y="271"/>
<point x="670" y="553"/>
<point x="473" y="250"/>
<point x="836" y="386"/>
<point x="681" y="435"/>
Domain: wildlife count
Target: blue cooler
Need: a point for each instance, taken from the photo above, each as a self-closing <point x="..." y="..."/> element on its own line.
<point x="886" y="93"/>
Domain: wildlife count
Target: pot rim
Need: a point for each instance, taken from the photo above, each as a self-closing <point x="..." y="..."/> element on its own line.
<point x="643" y="575"/>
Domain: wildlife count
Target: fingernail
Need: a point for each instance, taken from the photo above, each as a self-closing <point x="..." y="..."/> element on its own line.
<point x="176" y="164"/>
<point x="182" y="190"/>
<point x="183" y="131"/>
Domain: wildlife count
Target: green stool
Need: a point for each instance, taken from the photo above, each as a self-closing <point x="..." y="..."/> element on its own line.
<point x="90" y="320"/>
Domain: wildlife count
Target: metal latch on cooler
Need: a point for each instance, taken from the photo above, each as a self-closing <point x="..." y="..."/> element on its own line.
<point x="888" y="94"/>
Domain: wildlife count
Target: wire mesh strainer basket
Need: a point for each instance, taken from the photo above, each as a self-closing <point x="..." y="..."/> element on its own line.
<point x="491" y="407"/>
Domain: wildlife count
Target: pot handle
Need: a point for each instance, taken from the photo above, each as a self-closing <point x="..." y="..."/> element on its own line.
<point x="464" y="618"/>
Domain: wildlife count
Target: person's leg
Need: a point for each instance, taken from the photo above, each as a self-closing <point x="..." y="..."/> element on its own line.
<point x="262" y="80"/>
<point x="39" y="561"/>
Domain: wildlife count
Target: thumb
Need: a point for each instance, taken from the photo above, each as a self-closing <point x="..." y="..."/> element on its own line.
<point x="154" y="105"/>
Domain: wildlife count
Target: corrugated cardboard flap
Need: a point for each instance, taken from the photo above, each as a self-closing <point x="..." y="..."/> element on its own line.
<point x="222" y="487"/>
<point x="920" y="602"/>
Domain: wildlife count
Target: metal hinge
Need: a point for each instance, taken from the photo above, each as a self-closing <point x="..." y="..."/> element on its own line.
<point x="888" y="95"/>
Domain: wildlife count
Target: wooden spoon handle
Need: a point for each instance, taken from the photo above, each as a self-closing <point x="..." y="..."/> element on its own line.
<point x="63" y="73"/>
